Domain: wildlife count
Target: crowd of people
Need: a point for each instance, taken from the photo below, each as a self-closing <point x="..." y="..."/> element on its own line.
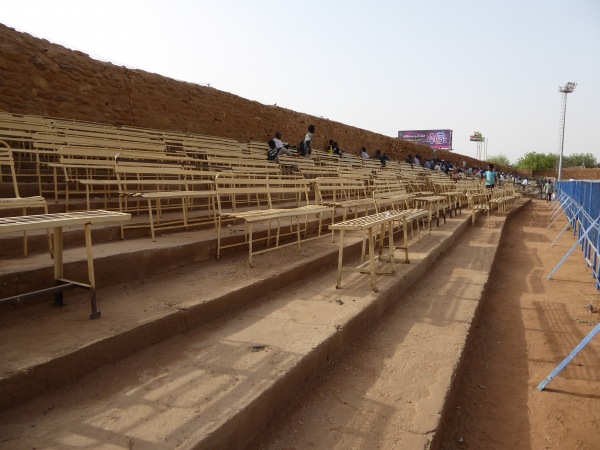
<point x="304" y="149"/>
<point x="492" y="178"/>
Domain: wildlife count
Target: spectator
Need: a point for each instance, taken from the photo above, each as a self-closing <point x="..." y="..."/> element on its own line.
<point x="548" y="190"/>
<point x="336" y="150"/>
<point x="305" y="146"/>
<point x="272" y="152"/>
<point x="308" y="140"/>
<point x="455" y="174"/>
<point x="282" y="147"/>
<point x="330" y="146"/>
<point x="363" y="153"/>
<point x="381" y="157"/>
<point x="428" y="164"/>
<point x="524" y="184"/>
<point x="490" y="177"/>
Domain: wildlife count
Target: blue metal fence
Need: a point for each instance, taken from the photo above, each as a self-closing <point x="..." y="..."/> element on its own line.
<point x="580" y="201"/>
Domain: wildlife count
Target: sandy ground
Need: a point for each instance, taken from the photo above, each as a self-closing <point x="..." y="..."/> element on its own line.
<point x="526" y="326"/>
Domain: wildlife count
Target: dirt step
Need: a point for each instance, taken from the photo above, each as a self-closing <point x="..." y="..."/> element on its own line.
<point x="22" y="379"/>
<point x="388" y="389"/>
<point x="217" y="385"/>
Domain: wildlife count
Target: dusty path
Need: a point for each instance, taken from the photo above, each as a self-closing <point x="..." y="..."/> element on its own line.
<point x="527" y="325"/>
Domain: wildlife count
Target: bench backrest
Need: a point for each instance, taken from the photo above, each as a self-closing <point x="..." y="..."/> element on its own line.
<point x="136" y="173"/>
<point x="339" y="189"/>
<point x="237" y="190"/>
<point x="7" y="160"/>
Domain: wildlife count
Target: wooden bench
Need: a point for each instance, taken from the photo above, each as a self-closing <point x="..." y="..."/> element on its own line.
<point x="233" y="192"/>
<point x="307" y="167"/>
<point x="435" y="204"/>
<point x="479" y="202"/>
<point x="164" y="187"/>
<point x="502" y="197"/>
<point x="57" y="222"/>
<point x="372" y="164"/>
<point x="368" y="226"/>
<point x="94" y="169"/>
<point x="244" y="165"/>
<point x="345" y="193"/>
<point x="454" y="202"/>
<point x="389" y="193"/>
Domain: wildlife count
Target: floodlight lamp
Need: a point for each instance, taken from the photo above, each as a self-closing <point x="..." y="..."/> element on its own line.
<point x="567" y="88"/>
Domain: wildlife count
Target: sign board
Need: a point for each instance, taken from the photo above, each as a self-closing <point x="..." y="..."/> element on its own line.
<point x="477" y="137"/>
<point x="437" y="139"/>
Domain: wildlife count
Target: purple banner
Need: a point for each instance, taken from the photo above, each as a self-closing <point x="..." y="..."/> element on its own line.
<point x="438" y="139"/>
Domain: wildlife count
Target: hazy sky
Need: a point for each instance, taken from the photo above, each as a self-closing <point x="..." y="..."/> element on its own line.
<point x="488" y="66"/>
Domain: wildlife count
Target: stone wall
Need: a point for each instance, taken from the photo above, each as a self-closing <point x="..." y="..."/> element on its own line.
<point x="38" y="77"/>
<point x="575" y="173"/>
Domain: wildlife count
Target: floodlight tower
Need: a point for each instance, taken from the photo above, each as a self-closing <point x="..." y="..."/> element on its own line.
<point x="566" y="89"/>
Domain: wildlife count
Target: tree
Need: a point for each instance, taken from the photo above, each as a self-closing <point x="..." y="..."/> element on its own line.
<point x="537" y="161"/>
<point x="580" y="160"/>
<point x="500" y="160"/>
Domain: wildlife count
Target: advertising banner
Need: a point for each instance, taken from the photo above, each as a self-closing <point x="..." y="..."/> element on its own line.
<point x="438" y="139"/>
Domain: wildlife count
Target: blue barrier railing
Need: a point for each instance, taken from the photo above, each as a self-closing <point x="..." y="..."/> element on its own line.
<point x="580" y="201"/>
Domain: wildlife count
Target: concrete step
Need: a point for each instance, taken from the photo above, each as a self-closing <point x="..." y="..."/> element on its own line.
<point x="213" y="386"/>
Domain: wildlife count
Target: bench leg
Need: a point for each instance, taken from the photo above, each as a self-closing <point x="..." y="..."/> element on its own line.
<point x="58" y="264"/>
<point x="250" y="244"/>
<point x="391" y="245"/>
<point x="405" y="232"/>
<point x="214" y="210"/>
<point x="338" y="284"/>
<point x="363" y="253"/>
<point x="320" y="224"/>
<point x="122" y="206"/>
<point x="218" y="224"/>
<point x="381" y="240"/>
<point x="151" y="219"/>
<point x="90" y="260"/>
<point x="184" y="204"/>
<point x="372" y="260"/>
<point x="430" y="218"/>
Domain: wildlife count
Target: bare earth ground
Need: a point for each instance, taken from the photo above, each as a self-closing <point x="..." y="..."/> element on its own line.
<point x="526" y="326"/>
<point x="365" y="398"/>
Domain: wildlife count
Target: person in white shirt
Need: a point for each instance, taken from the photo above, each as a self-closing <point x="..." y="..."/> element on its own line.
<point x="282" y="147"/>
<point x="363" y="153"/>
<point x="308" y="141"/>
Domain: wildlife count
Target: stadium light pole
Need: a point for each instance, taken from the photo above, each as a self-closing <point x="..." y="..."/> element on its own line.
<point x="566" y="89"/>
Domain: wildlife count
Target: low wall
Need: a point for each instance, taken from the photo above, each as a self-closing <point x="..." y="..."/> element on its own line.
<point x="575" y="173"/>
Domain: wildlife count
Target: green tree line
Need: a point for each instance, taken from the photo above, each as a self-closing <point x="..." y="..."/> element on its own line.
<point x="543" y="161"/>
